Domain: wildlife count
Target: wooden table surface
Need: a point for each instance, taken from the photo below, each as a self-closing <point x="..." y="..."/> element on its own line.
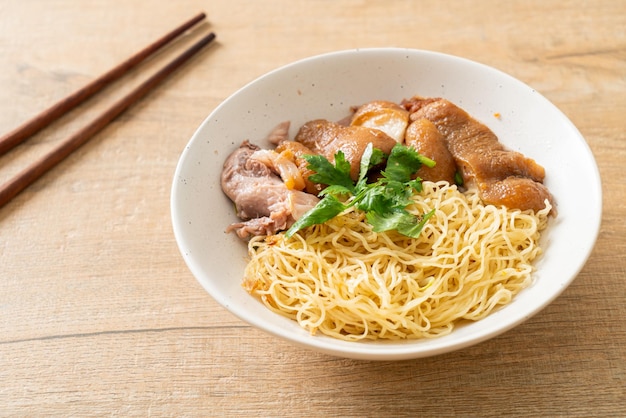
<point x="99" y="315"/>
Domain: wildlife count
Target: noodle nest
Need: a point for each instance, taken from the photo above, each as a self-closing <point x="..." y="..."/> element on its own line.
<point x="344" y="280"/>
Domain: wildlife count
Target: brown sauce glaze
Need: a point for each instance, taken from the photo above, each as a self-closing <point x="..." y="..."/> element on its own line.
<point x="501" y="176"/>
<point x="426" y="139"/>
<point x="326" y="138"/>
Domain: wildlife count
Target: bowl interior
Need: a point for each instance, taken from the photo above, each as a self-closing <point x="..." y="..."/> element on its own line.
<point x="326" y="87"/>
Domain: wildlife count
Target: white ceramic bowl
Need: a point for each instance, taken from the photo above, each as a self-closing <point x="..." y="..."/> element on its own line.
<point x="325" y="87"/>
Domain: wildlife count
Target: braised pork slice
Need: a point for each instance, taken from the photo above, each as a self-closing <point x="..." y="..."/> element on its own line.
<point x="515" y="192"/>
<point x="261" y="198"/>
<point x="426" y="139"/>
<point x="482" y="160"/>
<point x="383" y="115"/>
<point x="326" y="138"/>
<point x="279" y="133"/>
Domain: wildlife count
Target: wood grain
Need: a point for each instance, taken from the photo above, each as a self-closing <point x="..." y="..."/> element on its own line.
<point x="65" y="105"/>
<point x="48" y="161"/>
<point x="100" y="316"/>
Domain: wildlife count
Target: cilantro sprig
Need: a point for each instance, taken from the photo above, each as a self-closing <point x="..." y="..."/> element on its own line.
<point x="383" y="201"/>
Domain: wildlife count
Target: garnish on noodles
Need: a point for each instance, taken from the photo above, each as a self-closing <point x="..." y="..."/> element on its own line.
<point x="384" y="201"/>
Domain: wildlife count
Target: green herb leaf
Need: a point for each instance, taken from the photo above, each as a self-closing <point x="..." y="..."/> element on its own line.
<point x="387" y="221"/>
<point x="373" y="199"/>
<point x="336" y="190"/>
<point x="371" y="158"/>
<point x="400" y="220"/>
<point x="414" y="228"/>
<point x="403" y="162"/>
<point x="458" y="178"/>
<point x="365" y="163"/>
<point x="416" y="184"/>
<point x="326" y="209"/>
<point x="384" y="201"/>
<point x="329" y="174"/>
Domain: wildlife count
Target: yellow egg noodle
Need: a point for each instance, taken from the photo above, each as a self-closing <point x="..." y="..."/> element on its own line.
<point x="344" y="280"/>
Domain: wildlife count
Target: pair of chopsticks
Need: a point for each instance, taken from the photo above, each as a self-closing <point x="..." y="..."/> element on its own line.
<point x="38" y="168"/>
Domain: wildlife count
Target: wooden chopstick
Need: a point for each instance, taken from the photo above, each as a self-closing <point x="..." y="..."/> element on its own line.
<point x="34" y="125"/>
<point x="38" y="168"/>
